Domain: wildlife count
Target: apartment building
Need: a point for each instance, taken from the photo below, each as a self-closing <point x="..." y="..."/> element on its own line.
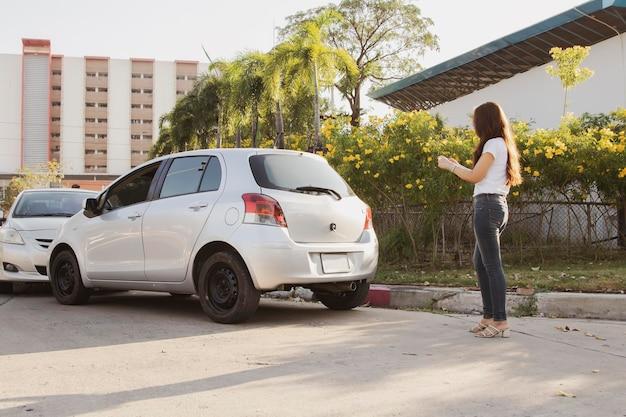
<point x="96" y="115"/>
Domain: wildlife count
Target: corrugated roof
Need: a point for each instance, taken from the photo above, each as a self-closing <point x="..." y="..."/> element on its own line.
<point x="584" y="25"/>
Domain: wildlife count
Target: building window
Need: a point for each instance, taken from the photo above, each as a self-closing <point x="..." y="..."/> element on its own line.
<point x="180" y="77"/>
<point x="147" y="76"/>
<point x="90" y="120"/>
<point x="55" y="135"/>
<point x="147" y="122"/>
<point x="91" y="89"/>
<point x="135" y="121"/>
<point x="147" y="106"/>
<point x="56" y="104"/>
<point x="103" y="74"/>
<point x="55" y="119"/>
<point x="135" y="90"/>
<point x="180" y="92"/>
<point x="135" y="106"/>
<point x="91" y="74"/>
<point x="56" y="88"/>
<point x="135" y="137"/>
<point x="90" y="104"/>
<point x="101" y="120"/>
<point x="147" y="91"/>
<point x="56" y="72"/>
<point x="135" y="75"/>
<point x="103" y="105"/>
<point x="101" y="136"/>
<point x="90" y="136"/>
<point x="102" y="89"/>
<point x="147" y="137"/>
<point x="191" y="77"/>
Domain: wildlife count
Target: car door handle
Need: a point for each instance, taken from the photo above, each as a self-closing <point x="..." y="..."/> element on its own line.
<point x="198" y="206"/>
<point x="134" y="216"/>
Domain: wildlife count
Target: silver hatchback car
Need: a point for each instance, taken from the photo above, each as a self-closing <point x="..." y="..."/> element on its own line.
<point x="225" y="224"/>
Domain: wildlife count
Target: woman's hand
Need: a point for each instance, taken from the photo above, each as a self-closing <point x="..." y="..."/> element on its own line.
<point x="445" y="163"/>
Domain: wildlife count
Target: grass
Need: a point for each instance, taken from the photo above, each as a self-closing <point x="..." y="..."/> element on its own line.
<point x="600" y="276"/>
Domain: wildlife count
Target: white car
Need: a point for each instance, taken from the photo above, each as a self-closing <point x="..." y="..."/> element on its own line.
<point x="31" y="224"/>
<point x="226" y="224"/>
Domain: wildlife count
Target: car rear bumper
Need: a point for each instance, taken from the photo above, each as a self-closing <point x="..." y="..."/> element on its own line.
<point x="26" y="259"/>
<point x="273" y="259"/>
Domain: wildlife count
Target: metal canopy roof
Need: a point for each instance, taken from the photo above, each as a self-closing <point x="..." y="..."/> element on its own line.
<point x="585" y="25"/>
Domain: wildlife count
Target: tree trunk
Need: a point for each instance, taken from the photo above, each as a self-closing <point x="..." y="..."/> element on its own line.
<point x="280" y="128"/>
<point x="218" y="138"/>
<point x="355" y="106"/>
<point x="255" y="123"/>
<point x="316" y="110"/>
<point x="565" y="103"/>
<point x="238" y="138"/>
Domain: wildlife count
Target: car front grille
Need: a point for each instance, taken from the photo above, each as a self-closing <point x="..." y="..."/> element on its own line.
<point x="44" y="243"/>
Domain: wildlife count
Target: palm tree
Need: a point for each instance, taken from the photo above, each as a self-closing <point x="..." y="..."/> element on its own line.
<point x="307" y="56"/>
<point x="249" y="87"/>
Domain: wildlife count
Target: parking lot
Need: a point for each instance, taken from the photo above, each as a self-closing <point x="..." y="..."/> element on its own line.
<point x="143" y="354"/>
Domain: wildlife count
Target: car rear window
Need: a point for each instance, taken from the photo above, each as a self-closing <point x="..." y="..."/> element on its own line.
<point x="50" y="204"/>
<point x="289" y="172"/>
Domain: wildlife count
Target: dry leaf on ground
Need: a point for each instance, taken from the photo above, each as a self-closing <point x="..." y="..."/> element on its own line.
<point x="566" y="394"/>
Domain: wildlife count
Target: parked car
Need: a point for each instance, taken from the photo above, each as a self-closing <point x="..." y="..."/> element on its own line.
<point x="31" y="224"/>
<point x="226" y="224"/>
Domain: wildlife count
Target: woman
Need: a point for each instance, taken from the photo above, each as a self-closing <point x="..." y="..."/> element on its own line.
<point x="496" y="169"/>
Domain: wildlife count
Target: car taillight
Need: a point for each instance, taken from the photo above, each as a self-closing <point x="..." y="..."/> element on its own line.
<point x="368" y="219"/>
<point x="262" y="209"/>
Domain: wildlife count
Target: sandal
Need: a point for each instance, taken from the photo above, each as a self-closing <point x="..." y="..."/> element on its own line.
<point x="478" y="328"/>
<point x="491" y="331"/>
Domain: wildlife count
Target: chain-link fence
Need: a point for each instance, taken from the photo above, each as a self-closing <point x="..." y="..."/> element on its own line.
<point x="536" y="230"/>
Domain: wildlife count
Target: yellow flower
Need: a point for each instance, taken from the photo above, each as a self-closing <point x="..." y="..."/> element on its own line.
<point x="377" y="175"/>
<point x="368" y="151"/>
<point x="408" y="186"/>
<point x="430" y="158"/>
<point x="536" y="173"/>
<point x="537" y="152"/>
<point x="396" y="158"/>
<point x="580" y="169"/>
<point x="420" y="186"/>
<point x="622" y="173"/>
<point x="528" y="169"/>
<point x="391" y="160"/>
<point x="417" y="181"/>
<point x="515" y="193"/>
<point x="525" y="152"/>
<point x="558" y="152"/>
<point x="468" y="162"/>
<point x="408" y="141"/>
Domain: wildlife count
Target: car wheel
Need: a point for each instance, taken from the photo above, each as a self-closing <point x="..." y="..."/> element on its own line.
<point x="6" y="288"/>
<point x="226" y="291"/>
<point x="65" y="280"/>
<point x="345" y="300"/>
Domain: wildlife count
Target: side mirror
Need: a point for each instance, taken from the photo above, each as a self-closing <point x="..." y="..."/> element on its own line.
<point x="91" y="207"/>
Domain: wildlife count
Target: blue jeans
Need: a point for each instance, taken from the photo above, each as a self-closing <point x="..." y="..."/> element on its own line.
<point x="491" y="214"/>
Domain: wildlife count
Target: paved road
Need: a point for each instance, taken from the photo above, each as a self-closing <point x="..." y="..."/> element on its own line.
<point x="140" y="354"/>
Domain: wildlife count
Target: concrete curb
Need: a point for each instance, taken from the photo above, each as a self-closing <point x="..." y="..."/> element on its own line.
<point x="460" y="300"/>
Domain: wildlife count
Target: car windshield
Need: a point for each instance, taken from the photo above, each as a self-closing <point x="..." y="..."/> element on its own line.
<point x="50" y="204"/>
<point x="298" y="173"/>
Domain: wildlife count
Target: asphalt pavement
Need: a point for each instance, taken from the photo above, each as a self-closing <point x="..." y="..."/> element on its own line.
<point x="150" y="354"/>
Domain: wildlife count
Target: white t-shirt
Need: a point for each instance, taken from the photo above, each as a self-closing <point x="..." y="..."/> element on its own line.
<point x="495" y="180"/>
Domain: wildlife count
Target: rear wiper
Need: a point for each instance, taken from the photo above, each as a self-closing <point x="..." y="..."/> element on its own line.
<point x="320" y="190"/>
<point x="51" y="215"/>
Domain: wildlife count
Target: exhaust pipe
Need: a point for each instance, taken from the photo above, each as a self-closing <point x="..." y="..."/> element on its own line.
<point x="334" y="287"/>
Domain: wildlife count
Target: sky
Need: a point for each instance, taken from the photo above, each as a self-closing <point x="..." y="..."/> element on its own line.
<point x="169" y="30"/>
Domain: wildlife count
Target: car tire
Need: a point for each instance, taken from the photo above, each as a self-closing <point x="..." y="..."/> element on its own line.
<point x="65" y="280"/>
<point x="6" y="288"/>
<point x="345" y="300"/>
<point x="225" y="289"/>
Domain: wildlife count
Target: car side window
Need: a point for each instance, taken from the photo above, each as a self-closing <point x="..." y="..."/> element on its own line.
<point x="184" y="176"/>
<point x="212" y="176"/>
<point x="131" y="190"/>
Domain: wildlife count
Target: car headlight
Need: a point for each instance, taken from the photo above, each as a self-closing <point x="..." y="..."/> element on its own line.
<point x="11" y="236"/>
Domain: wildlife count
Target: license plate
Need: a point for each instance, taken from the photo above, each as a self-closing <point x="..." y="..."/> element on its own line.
<point x="335" y="263"/>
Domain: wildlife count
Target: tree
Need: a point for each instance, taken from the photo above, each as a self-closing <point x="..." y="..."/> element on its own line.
<point x="50" y="174"/>
<point x="385" y="38"/>
<point x="568" y="68"/>
<point x="307" y="58"/>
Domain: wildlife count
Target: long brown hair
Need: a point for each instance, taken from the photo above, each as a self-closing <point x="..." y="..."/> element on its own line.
<point x="491" y="122"/>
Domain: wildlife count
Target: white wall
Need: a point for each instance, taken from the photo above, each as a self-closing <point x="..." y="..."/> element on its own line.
<point x="73" y="116"/>
<point x="164" y="92"/>
<point x="118" y="144"/>
<point x="10" y="113"/>
<point x="536" y="96"/>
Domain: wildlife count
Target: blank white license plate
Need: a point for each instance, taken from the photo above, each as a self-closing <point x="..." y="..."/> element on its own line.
<point x="335" y="263"/>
